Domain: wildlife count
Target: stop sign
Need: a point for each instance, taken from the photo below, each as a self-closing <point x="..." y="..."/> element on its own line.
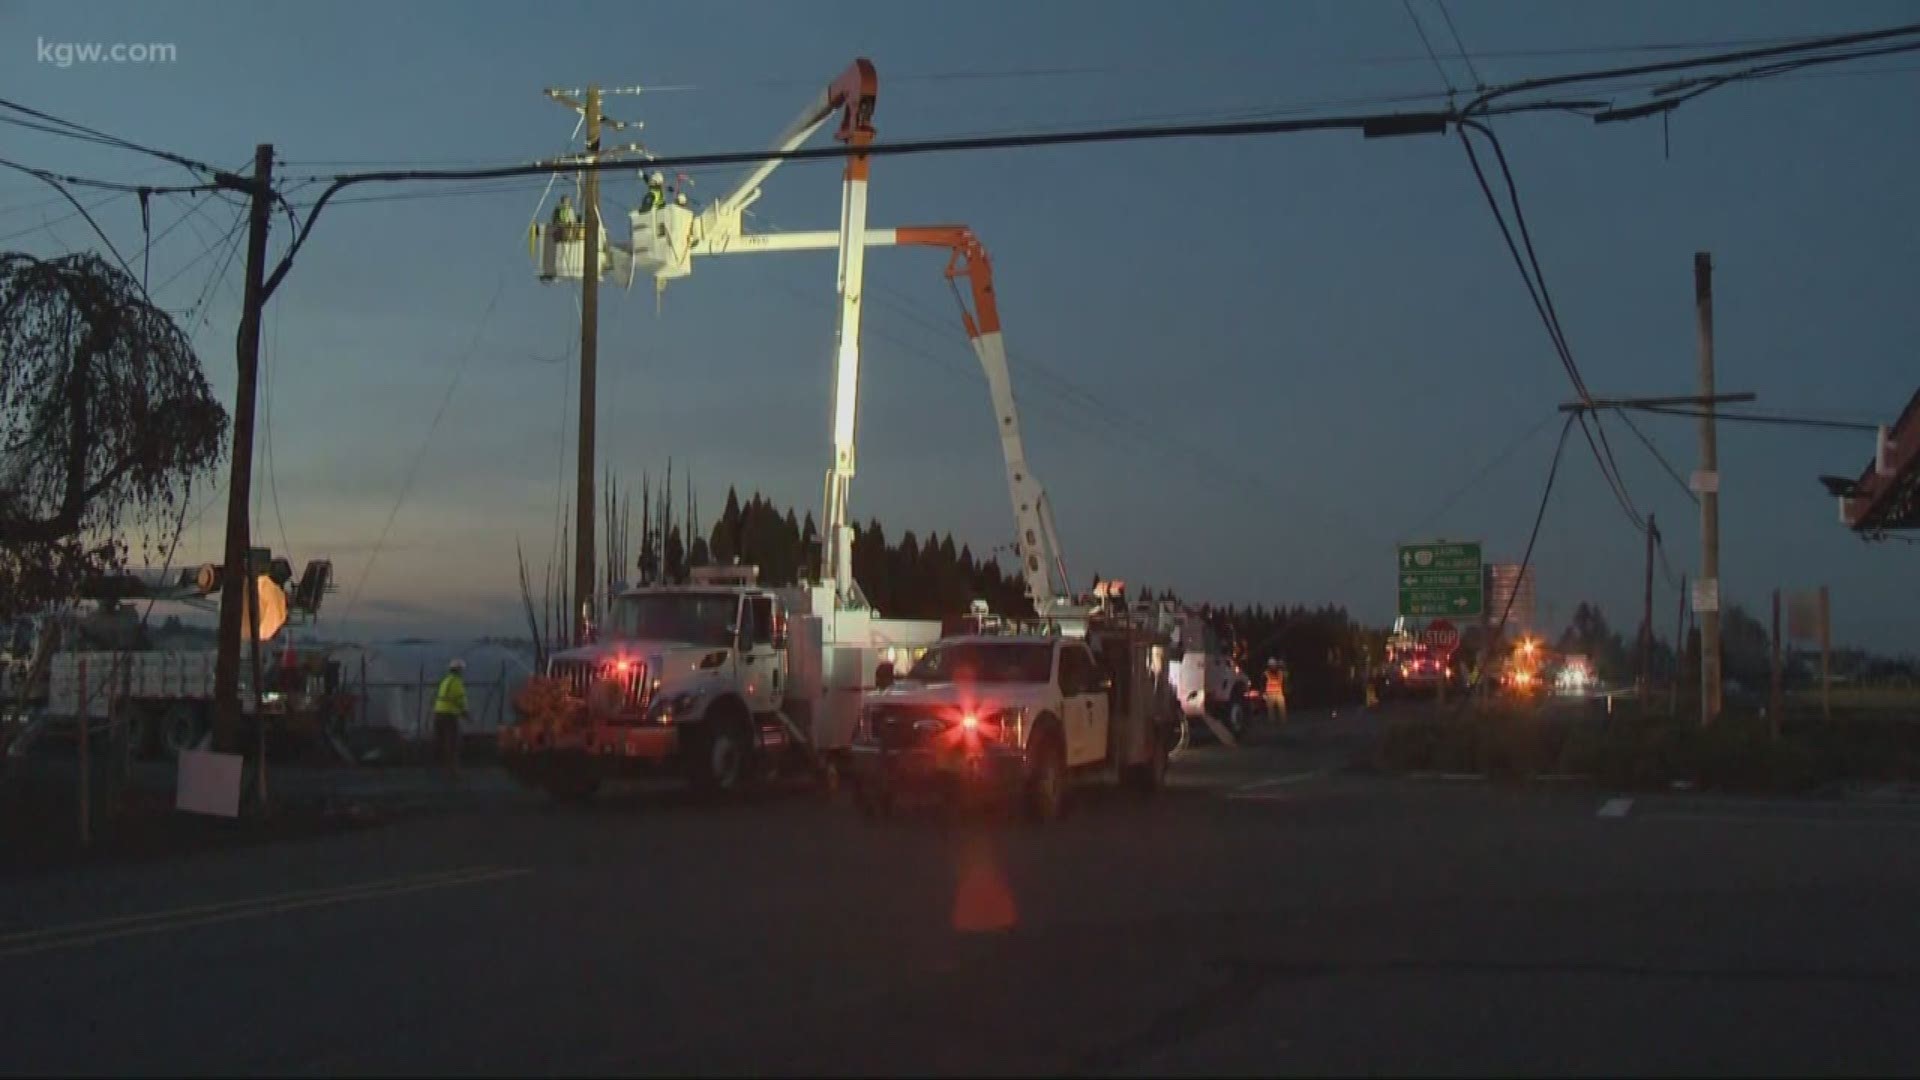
<point x="1441" y="636"/>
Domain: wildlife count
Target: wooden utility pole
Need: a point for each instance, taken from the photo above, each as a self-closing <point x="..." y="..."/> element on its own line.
<point x="1646" y="624"/>
<point x="1679" y="651"/>
<point x="1710" y="685"/>
<point x="589" y="356"/>
<point x="1776" y="698"/>
<point x="238" y="570"/>
<point x="1826" y="656"/>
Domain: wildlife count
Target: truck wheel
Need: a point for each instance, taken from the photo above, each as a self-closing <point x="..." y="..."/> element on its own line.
<point x="180" y="729"/>
<point x="1047" y="780"/>
<point x="724" y="755"/>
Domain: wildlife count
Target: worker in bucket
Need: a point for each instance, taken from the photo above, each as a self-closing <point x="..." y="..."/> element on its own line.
<point x="656" y="193"/>
<point x="449" y="709"/>
<point x="563" y="213"/>
<point x="1275" y="692"/>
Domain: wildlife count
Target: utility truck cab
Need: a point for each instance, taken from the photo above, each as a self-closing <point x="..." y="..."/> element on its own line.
<point x="718" y="680"/>
<point x="1019" y="714"/>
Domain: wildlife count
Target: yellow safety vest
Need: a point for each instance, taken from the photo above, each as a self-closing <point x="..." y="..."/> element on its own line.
<point x="451" y="699"/>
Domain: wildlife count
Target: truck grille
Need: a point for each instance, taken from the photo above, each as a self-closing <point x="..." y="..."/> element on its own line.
<point x="908" y="727"/>
<point x="580" y="675"/>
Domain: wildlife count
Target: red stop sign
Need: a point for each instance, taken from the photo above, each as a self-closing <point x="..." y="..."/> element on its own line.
<point x="1441" y="636"/>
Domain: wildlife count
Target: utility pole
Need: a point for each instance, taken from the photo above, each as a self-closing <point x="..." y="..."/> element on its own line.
<point x="237" y="575"/>
<point x="1776" y="697"/>
<point x="1709" y="485"/>
<point x="1679" y="650"/>
<point x="1646" y="624"/>
<point x="589" y="356"/>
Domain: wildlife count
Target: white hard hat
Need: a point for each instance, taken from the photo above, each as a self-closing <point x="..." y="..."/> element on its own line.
<point x="456" y="664"/>
<point x="656" y="179"/>
<point x="680" y="198"/>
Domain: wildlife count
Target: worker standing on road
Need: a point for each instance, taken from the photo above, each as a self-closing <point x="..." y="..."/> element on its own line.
<point x="449" y="709"/>
<point x="1276" y="692"/>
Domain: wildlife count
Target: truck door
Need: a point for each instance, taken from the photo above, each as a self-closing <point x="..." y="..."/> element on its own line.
<point x="762" y="674"/>
<point x="1085" y="703"/>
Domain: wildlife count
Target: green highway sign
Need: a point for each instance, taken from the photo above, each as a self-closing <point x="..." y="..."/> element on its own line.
<point x="1440" y="580"/>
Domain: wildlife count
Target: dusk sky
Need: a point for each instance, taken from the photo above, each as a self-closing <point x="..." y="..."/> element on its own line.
<point x="1246" y="367"/>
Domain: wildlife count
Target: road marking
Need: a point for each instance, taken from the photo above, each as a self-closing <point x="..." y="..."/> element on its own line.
<point x="79" y="935"/>
<point x="1244" y="791"/>
<point x="1777" y="819"/>
<point x="1616" y="808"/>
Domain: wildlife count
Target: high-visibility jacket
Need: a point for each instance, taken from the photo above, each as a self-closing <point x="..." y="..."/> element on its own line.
<point x="1275" y="684"/>
<point x="451" y="699"/>
<point x="654" y="200"/>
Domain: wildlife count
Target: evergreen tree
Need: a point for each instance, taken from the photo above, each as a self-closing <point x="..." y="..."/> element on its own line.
<point x="676" y="558"/>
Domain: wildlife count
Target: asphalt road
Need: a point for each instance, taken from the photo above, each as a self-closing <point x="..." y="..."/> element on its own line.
<point x="1270" y="914"/>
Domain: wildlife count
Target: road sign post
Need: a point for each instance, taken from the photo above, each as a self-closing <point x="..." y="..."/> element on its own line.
<point x="1441" y="581"/>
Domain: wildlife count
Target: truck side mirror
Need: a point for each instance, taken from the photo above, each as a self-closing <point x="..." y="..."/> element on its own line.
<point x="883" y="675"/>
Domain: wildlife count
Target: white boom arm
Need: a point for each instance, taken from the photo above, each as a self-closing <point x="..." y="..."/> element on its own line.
<point x="666" y="239"/>
<point x="1038" y="545"/>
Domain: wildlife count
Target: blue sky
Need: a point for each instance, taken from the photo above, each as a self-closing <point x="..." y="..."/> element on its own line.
<point x="1300" y="346"/>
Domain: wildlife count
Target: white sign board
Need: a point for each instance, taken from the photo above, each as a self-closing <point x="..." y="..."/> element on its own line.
<point x="1706" y="595"/>
<point x="209" y="783"/>
<point x="1704" y="482"/>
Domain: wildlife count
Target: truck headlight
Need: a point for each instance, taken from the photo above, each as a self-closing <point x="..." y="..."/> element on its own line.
<point x="675" y="707"/>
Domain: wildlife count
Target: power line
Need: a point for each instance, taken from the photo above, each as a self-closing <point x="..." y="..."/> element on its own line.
<point x="1535" y="279"/>
<point x="1806" y="45"/>
<point x="88" y="134"/>
<point x="1658" y="456"/>
<point x="413" y="468"/>
<point x="59" y="185"/>
<point x="1763" y="418"/>
<point x="208" y="250"/>
<point x="1478" y="82"/>
<point x="1435" y="57"/>
<point x="1533" y="535"/>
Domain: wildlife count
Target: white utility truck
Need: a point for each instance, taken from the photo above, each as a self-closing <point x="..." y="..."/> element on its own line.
<point x="718" y="681"/>
<point x="1021" y="715"/>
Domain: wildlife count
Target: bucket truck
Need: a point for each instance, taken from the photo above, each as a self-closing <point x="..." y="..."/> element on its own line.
<point x="723" y="679"/>
<point x="62" y="666"/>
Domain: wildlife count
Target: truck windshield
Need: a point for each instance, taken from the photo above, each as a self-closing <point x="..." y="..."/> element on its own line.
<point x="986" y="662"/>
<point x="692" y="618"/>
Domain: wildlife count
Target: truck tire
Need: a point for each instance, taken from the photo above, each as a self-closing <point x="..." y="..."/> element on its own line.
<point x="1046" y="788"/>
<point x="725" y="752"/>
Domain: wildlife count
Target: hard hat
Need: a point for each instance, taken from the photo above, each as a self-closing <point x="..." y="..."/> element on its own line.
<point x="656" y="179"/>
<point x="680" y="199"/>
<point x="456" y="664"/>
